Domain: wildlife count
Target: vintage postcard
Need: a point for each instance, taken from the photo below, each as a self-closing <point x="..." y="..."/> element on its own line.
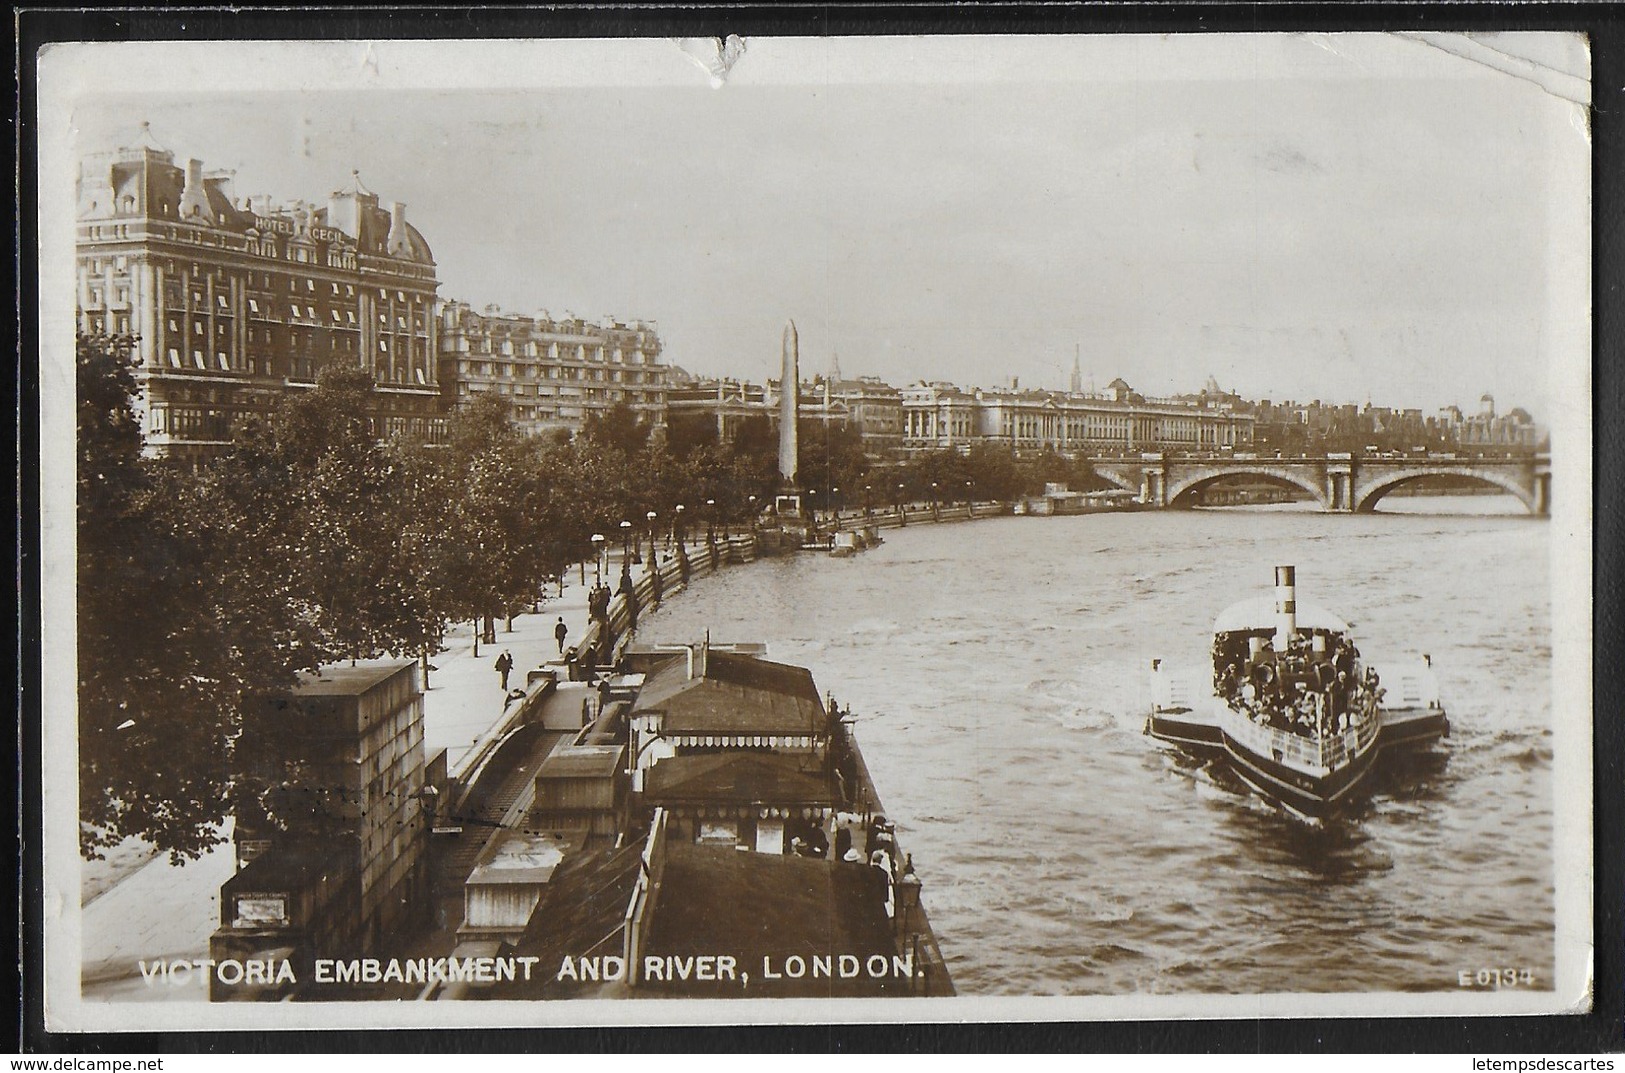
<point x="804" y="530"/>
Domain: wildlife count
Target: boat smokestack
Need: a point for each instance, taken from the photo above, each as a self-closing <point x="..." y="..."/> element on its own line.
<point x="1286" y="606"/>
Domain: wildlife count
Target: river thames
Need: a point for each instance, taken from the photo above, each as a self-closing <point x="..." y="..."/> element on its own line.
<point x="997" y="673"/>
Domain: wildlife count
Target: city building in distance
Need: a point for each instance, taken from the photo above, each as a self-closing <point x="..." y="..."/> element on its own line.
<point x="555" y="370"/>
<point x="939" y="416"/>
<point x="237" y="301"/>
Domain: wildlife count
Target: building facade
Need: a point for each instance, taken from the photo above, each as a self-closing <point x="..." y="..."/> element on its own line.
<point x="875" y="409"/>
<point x="941" y="416"/>
<point x="725" y="403"/>
<point x="555" y="371"/>
<point x="235" y="303"/>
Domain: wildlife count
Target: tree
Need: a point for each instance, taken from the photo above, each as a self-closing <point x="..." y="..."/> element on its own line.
<point x="177" y="625"/>
<point x="830" y="457"/>
<point x="490" y="555"/>
<point x="618" y="428"/>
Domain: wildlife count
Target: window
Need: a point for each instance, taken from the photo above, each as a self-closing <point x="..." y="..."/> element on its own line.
<point x="253" y="306"/>
<point x="174" y="357"/>
<point x="173" y="326"/>
<point x="220" y="358"/>
<point x="221" y="299"/>
<point x="310" y="284"/>
<point x="197" y="359"/>
<point x="335" y="288"/>
<point x="197" y="327"/>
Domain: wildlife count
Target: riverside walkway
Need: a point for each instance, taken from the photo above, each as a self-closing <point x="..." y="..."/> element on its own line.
<point x="159" y="910"/>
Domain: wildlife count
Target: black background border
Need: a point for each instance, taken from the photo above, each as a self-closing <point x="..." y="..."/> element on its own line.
<point x="1598" y="1032"/>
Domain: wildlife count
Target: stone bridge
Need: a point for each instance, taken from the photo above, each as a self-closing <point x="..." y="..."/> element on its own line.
<point x="1338" y="482"/>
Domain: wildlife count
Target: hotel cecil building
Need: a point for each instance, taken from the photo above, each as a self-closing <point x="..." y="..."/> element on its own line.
<point x="236" y="302"/>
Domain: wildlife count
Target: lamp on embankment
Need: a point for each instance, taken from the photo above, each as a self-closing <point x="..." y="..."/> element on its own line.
<point x="710" y="521"/>
<point x="653" y="552"/>
<point x="677" y="526"/>
<point x="598" y="543"/>
<point x="626" y="543"/>
<point x="908" y="902"/>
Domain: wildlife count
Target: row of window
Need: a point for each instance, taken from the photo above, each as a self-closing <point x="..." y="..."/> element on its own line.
<point x="197" y="273"/>
<point x="554" y="351"/>
<point x="555" y="372"/>
<point x="207" y="423"/>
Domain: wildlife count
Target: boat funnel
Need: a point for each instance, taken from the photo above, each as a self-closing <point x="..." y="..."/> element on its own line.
<point x="1286" y="606"/>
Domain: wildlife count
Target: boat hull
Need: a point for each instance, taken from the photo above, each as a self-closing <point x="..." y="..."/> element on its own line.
<point x="1187" y="730"/>
<point x="1315" y="797"/>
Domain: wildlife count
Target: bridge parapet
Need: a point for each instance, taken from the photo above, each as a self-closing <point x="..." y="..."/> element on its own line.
<point x="1338" y="482"/>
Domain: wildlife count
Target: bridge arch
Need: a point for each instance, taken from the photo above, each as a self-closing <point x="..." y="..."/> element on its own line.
<point x="1185" y="483"/>
<point x="1368" y="495"/>
<point x="1129" y="482"/>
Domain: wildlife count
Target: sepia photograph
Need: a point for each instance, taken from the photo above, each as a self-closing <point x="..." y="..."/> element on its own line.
<point x="1071" y="527"/>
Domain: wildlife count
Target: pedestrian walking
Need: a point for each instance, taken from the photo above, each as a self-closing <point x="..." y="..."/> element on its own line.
<point x="504" y="665"/>
<point x="560" y="632"/>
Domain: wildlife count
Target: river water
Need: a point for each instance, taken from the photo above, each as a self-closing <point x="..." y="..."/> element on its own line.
<point x="998" y="674"/>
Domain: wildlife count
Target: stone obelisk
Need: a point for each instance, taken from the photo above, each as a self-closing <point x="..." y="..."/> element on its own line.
<point x="789" y="409"/>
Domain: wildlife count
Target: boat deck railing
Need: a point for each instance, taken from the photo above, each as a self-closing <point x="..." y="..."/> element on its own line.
<point x="1321" y="752"/>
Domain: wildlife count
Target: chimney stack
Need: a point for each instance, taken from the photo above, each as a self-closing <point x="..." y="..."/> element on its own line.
<point x="194" y="202"/>
<point x="398" y="244"/>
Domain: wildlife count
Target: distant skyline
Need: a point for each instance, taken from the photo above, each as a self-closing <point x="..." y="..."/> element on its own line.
<point x="1348" y="218"/>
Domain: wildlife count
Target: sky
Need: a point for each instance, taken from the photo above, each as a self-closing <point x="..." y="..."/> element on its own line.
<point x="1347" y="217"/>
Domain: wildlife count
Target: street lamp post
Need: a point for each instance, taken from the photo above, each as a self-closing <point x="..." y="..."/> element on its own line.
<point x="653" y="552"/>
<point x="970" y="508"/>
<point x="626" y="547"/>
<point x="598" y="543"/>
<point x="677" y="527"/>
<point x="935" y="514"/>
<point x="710" y="521"/>
<point x="835" y="504"/>
<point x="902" y="516"/>
<point x="866" y="501"/>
